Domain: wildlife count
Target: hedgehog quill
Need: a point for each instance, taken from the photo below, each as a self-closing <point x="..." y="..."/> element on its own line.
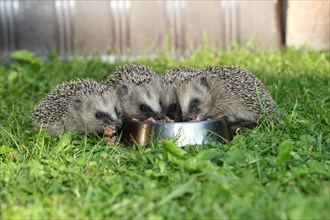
<point x="138" y="88"/>
<point x="224" y="91"/>
<point x="84" y="106"/>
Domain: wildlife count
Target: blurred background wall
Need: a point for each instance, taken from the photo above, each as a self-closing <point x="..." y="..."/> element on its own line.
<point x="309" y="24"/>
<point x="105" y="27"/>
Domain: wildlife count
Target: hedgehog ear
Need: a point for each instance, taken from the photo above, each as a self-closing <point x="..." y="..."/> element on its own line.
<point x="204" y="82"/>
<point x="77" y="104"/>
<point x="122" y="91"/>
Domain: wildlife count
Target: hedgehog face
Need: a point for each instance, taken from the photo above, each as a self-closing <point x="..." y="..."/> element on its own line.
<point x="141" y="101"/>
<point x="170" y="103"/>
<point x="95" y="112"/>
<point x="194" y="98"/>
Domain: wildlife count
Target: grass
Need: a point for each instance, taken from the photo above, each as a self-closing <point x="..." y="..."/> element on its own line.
<point x="274" y="171"/>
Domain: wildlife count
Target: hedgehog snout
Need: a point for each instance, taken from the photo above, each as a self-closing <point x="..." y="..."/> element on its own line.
<point x="187" y="118"/>
<point x="118" y="125"/>
<point x="191" y="117"/>
<point x="157" y="115"/>
<point x="112" y="123"/>
<point x="115" y="125"/>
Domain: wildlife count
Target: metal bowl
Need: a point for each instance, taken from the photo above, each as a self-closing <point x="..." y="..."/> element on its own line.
<point x="185" y="133"/>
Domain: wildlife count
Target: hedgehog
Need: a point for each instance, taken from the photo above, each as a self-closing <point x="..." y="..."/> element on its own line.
<point x="138" y="88"/>
<point x="84" y="106"/>
<point x="168" y="98"/>
<point x="228" y="91"/>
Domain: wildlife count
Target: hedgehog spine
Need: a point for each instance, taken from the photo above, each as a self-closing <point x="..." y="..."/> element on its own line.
<point x="139" y="89"/>
<point x="82" y="105"/>
<point x="224" y="91"/>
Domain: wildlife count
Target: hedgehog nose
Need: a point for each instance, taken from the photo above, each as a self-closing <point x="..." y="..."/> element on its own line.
<point x="184" y="117"/>
<point x="115" y="123"/>
<point x="118" y="125"/>
<point x="188" y="118"/>
<point x="159" y="116"/>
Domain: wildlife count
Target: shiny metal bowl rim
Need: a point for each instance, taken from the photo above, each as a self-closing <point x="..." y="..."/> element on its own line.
<point x="176" y="122"/>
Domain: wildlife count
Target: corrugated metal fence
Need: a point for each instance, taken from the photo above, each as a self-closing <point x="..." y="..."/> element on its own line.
<point x="133" y="27"/>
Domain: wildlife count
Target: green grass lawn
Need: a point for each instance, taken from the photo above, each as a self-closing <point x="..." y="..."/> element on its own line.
<point x="274" y="171"/>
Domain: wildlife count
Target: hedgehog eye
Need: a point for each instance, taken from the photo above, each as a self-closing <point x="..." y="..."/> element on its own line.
<point x="98" y="115"/>
<point x="196" y="101"/>
<point x="142" y="107"/>
<point x="160" y="103"/>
